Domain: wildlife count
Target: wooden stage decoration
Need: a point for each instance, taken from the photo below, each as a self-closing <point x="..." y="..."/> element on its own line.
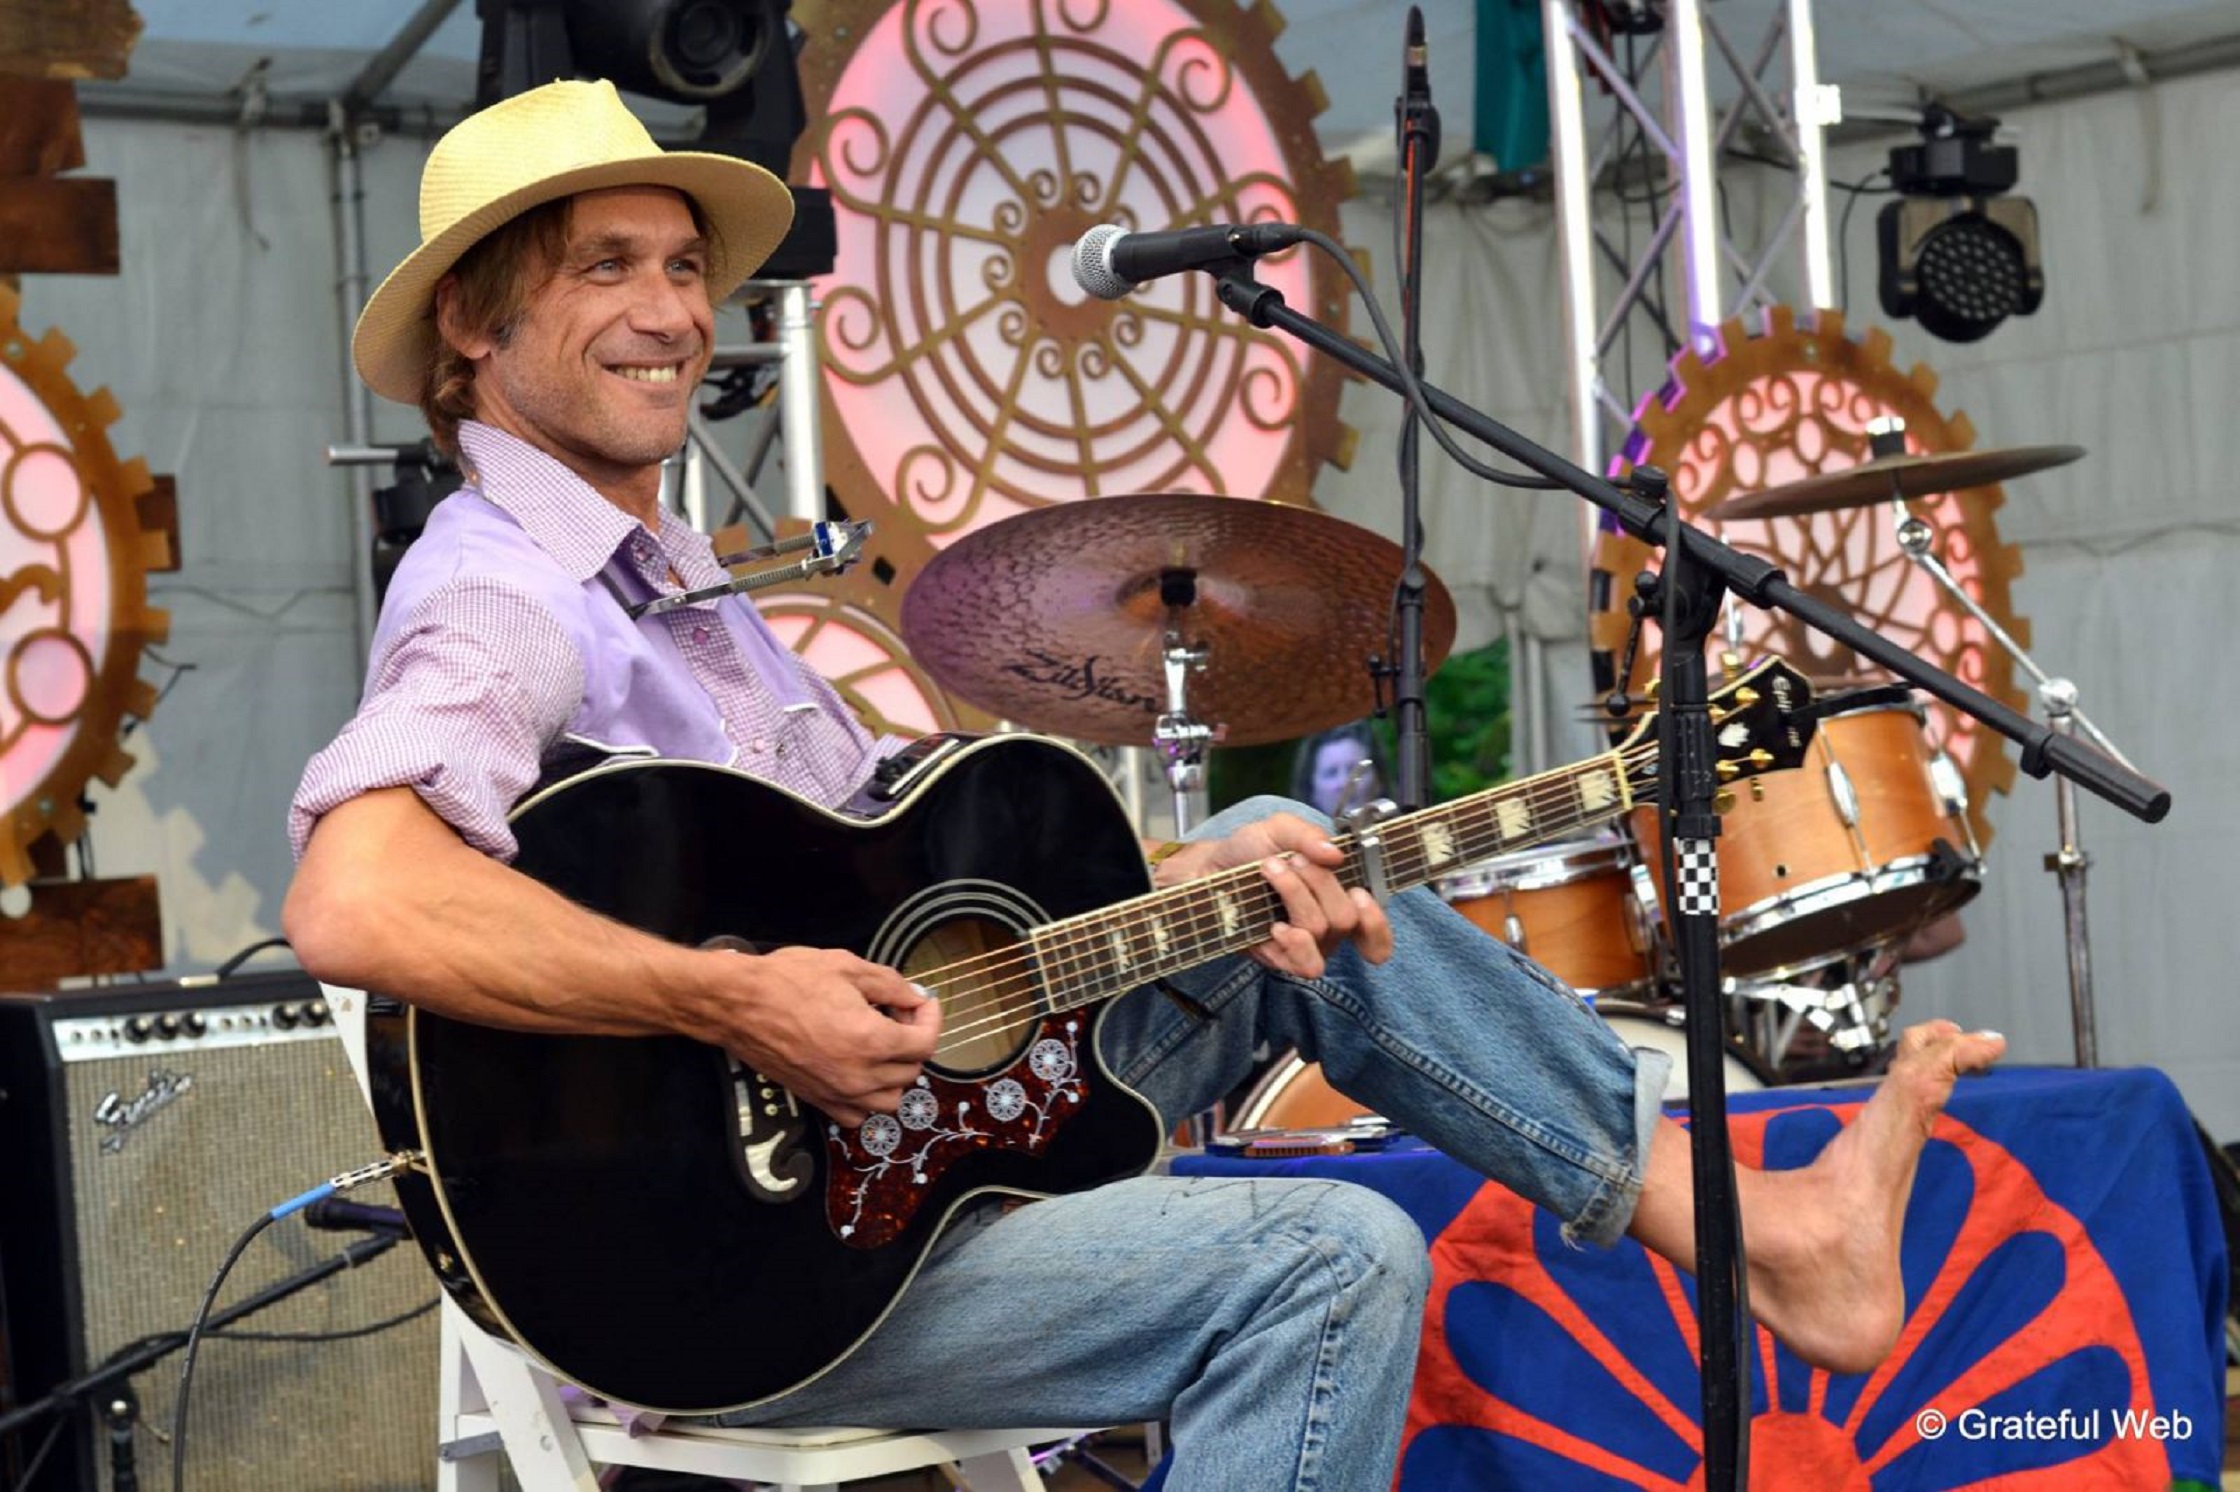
<point x="80" y="531"/>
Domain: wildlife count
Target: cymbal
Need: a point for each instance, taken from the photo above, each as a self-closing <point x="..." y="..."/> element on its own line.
<point x="1057" y="618"/>
<point x="1909" y="475"/>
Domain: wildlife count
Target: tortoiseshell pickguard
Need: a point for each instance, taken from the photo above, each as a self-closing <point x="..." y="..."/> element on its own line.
<point x="882" y="1171"/>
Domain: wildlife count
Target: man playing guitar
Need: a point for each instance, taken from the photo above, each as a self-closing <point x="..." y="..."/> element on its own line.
<point x="553" y="325"/>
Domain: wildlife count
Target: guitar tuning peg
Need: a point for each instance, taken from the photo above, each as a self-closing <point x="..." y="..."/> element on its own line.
<point x="1757" y="790"/>
<point x="1730" y="664"/>
<point x="1745" y="697"/>
<point x="1728" y="771"/>
<point x="1723" y="800"/>
<point x="1760" y="758"/>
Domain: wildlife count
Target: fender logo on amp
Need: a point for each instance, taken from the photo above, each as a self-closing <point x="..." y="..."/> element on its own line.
<point x="123" y="1115"/>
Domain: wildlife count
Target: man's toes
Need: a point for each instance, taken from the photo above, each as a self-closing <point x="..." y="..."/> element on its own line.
<point x="1977" y="1050"/>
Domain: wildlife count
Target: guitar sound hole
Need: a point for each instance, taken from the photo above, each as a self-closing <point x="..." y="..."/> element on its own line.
<point x="987" y="1015"/>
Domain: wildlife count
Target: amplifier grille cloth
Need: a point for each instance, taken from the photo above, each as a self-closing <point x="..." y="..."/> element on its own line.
<point x="258" y="1125"/>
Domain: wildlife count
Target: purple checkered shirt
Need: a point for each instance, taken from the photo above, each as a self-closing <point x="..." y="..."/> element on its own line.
<point x="503" y="636"/>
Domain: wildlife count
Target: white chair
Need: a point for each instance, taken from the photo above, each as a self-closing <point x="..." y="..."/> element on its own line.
<point x="493" y="1401"/>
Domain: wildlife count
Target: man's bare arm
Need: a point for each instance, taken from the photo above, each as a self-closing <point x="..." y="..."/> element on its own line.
<point x="389" y="898"/>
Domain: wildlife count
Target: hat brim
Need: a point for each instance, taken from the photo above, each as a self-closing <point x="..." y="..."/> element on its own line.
<point x="747" y="208"/>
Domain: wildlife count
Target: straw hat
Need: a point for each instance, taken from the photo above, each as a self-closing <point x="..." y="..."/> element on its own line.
<point x="548" y="143"/>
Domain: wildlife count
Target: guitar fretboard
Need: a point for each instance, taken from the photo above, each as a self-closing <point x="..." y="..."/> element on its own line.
<point x="1104" y="953"/>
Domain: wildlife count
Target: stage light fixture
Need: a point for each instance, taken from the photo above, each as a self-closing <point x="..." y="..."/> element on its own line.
<point x="1958" y="254"/>
<point x="688" y="50"/>
<point x="736" y="59"/>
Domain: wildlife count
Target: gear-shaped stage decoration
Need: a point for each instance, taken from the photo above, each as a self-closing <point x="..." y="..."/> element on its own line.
<point x="75" y="553"/>
<point x="968" y="144"/>
<point x="1790" y="402"/>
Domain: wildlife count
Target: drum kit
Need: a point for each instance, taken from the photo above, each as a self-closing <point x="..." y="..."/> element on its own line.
<point x="1178" y="621"/>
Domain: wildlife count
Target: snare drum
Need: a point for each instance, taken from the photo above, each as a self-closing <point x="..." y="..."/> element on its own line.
<point x="1572" y="907"/>
<point x="1864" y="842"/>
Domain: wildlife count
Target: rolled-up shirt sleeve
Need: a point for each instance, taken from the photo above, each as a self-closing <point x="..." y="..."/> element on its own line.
<point x="461" y="703"/>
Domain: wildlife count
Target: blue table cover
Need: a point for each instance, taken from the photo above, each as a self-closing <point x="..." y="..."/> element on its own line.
<point x="2064" y="1268"/>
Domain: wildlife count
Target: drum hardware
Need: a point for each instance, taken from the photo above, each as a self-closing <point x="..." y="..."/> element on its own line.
<point x="2069" y="864"/>
<point x="1849" y="1000"/>
<point x="1180" y="738"/>
<point x="2058" y="696"/>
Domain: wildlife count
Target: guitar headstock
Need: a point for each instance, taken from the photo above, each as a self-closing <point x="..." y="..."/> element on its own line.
<point x="1760" y="722"/>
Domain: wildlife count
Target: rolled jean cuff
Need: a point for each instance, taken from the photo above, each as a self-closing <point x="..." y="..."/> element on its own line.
<point x="1603" y="1220"/>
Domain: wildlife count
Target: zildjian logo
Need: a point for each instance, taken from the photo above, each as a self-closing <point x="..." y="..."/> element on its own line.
<point x="123" y="1115"/>
<point x="1079" y="680"/>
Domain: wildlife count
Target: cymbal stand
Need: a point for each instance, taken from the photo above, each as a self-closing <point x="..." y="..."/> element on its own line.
<point x="1917" y="538"/>
<point x="1180" y="737"/>
<point x="2069" y="864"/>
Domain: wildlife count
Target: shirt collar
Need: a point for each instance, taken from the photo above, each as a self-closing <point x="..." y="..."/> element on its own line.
<point x="558" y="509"/>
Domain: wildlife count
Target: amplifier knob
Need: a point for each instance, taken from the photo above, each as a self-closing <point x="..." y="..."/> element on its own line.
<point x="196" y="1023"/>
<point x="284" y="1016"/>
<point x="168" y="1025"/>
<point x="315" y="1013"/>
<point x="139" y="1028"/>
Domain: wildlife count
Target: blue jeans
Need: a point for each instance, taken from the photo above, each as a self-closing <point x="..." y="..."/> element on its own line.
<point x="1272" y="1322"/>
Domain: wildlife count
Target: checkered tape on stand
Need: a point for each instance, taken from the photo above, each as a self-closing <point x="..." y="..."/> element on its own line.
<point x="1696" y="877"/>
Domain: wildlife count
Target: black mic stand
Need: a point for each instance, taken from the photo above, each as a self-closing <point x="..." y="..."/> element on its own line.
<point x="1686" y="598"/>
<point x="107" y="1390"/>
<point x="1417" y="126"/>
<point x="1698" y="570"/>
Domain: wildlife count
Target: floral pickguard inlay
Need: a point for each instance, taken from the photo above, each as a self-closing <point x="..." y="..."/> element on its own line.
<point x="881" y="1168"/>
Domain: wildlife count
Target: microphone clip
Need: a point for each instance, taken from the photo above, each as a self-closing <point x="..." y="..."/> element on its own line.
<point x="832" y="546"/>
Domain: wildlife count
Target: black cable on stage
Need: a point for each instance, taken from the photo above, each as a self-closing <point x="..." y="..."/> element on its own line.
<point x="194" y="1345"/>
<point x="1414" y="388"/>
<point x="342" y="1334"/>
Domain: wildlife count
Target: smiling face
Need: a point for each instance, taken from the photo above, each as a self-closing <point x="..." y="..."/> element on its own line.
<point x="599" y="368"/>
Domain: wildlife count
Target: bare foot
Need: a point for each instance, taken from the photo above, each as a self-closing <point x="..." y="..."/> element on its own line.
<point x="1823" y="1241"/>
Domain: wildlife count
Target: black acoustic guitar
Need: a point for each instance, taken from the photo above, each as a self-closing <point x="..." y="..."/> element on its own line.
<point x="658" y="1223"/>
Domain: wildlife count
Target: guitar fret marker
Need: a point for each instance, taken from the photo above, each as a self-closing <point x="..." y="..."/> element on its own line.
<point x="1161" y="939"/>
<point x="1438" y="843"/>
<point x="1597" y="790"/>
<point x="1122" y="953"/>
<point x="1514" y="817"/>
<point x="1225" y="908"/>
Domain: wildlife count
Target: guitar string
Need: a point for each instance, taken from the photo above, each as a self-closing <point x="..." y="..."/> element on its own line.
<point x="997" y="975"/>
<point x="1199" y="912"/>
<point x="999" y="978"/>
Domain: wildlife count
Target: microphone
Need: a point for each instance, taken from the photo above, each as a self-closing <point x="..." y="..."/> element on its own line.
<point x="1412" y="110"/>
<point x="1109" y="261"/>
<point x="337" y="1216"/>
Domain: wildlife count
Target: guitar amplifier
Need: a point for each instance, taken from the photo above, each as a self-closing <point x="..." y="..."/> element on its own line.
<point x="142" y="1130"/>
